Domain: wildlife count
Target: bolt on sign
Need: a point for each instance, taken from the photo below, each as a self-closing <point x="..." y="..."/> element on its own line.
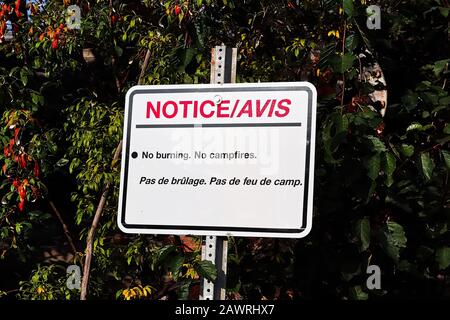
<point x="229" y="159"/>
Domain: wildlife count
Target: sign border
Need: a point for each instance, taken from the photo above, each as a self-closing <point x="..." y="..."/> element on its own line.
<point x="220" y="230"/>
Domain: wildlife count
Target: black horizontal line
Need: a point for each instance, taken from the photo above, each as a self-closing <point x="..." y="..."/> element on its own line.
<point x="218" y="125"/>
<point x="212" y="228"/>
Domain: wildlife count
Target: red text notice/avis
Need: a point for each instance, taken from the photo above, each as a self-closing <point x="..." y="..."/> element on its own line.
<point x="251" y="108"/>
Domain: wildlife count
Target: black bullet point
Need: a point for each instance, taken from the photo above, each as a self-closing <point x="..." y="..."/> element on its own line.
<point x="134" y="155"/>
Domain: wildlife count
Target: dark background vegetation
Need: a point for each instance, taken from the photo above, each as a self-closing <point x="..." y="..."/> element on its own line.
<point x="381" y="194"/>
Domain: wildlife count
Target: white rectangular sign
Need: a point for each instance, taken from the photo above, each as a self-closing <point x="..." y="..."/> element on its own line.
<point x="229" y="159"/>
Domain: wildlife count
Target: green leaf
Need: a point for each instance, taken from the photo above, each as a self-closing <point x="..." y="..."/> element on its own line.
<point x="349" y="8"/>
<point x="393" y="239"/>
<point x="446" y="156"/>
<point x="362" y="231"/>
<point x="373" y="166"/>
<point x="206" y="269"/>
<point x="119" y="51"/>
<point x="338" y="125"/>
<point x="188" y="56"/>
<point x="18" y="228"/>
<point x="447" y="128"/>
<point x="414" y="126"/>
<point x="356" y="293"/>
<point x="164" y="252"/>
<point x="377" y="144"/>
<point x="439" y="66"/>
<point x="410" y="100"/>
<point x="62" y="162"/>
<point x="444" y="11"/>
<point x="341" y="64"/>
<point x="444" y="103"/>
<point x="351" y="42"/>
<point x="389" y="164"/>
<point x="370" y="191"/>
<point x="427" y="165"/>
<point x="406" y="149"/>
<point x="24" y="76"/>
<point x="37" y="99"/>
<point x="183" y="290"/>
<point x="174" y="264"/>
<point x="443" y="257"/>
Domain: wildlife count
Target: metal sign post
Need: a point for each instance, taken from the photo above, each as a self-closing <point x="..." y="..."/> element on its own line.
<point x="215" y="249"/>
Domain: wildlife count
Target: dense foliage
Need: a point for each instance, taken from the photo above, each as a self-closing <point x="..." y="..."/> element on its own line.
<point x="382" y="183"/>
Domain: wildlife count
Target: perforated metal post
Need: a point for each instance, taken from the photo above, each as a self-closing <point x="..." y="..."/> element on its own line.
<point x="209" y="254"/>
<point x="215" y="249"/>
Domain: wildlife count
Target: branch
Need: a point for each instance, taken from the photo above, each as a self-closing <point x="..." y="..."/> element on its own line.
<point x="90" y="238"/>
<point x="65" y="228"/>
<point x="144" y="67"/>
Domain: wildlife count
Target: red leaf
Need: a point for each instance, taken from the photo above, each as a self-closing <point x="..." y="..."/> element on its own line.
<point x="16" y="133"/>
<point x="23" y="161"/>
<point x="113" y="19"/>
<point x="16" y="183"/>
<point x="36" y="169"/>
<point x="22" y="192"/>
<point x="22" y="204"/>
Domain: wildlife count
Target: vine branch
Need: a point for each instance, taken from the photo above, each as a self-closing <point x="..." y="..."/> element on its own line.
<point x="101" y="204"/>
